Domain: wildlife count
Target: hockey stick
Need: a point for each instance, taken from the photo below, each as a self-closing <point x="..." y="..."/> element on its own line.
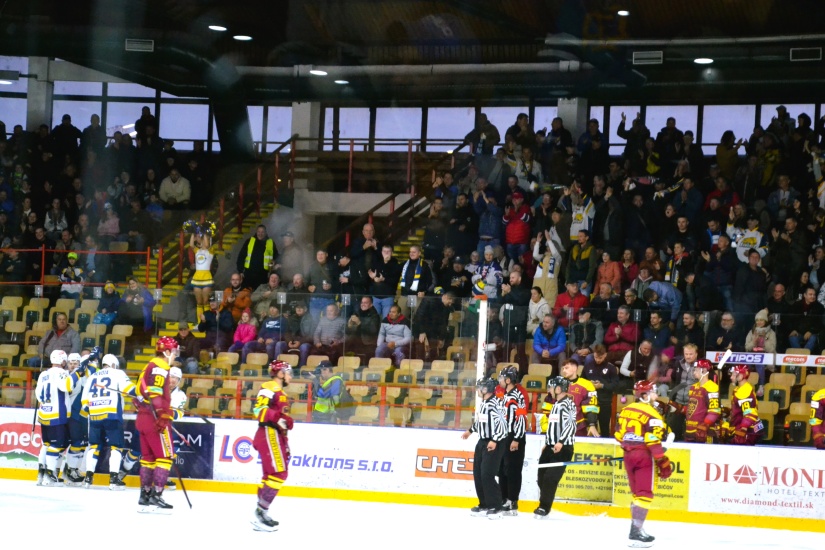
<point x="725" y="358"/>
<point x="582" y="462"/>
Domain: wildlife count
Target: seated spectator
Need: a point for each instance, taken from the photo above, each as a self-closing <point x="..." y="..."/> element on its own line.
<point x="108" y="305"/>
<point x="55" y="221"/>
<point x="264" y="294"/>
<point x="136" y="306"/>
<point x="726" y="336"/>
<point x="761" y="339"/>
<point x="236" y="298"/>
<point x="245" y="332"/>
<point x="666" y="298"/>
<point x="61" y="336"/>
<point x="394" y="337"/>
<point x="609" y="271"/>
<point x="137" y="225"/>
<point x="605" y="306"/>
<point x="568" y="304"/>
<point x="536" y="310"/>
<point x="72" y="278"/>
<point x="806" y="319"/>
<point x="12" y="269"/>
<point x="329" y="334"/>
<point x="300" y="334"/>
<point x="429" y="327"/>
<point x="189" y="349"/>
<point x="585" y="337"/>
<point x="629" y="267"/>
<point x="272" y="331"/>
<point x="689" y="333"/>
<point x="108" y="228"/>
<point x="642" y="281"/>
<point x="65" y="244"/>
<point x="622" y="335"/>
<point x="362" y="328"/>
<point x="549" y="343"/>
<point x="175" y="191"/>
<point x="459" y="280"/>
<point x="98" y="266"/>
<point x="654" y="265"/>
<point x="657" y="332"/>
<point x="640" y="363"/>
<point x="581" y="264"/>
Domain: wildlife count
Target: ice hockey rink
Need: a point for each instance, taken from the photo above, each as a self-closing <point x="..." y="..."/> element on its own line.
<point x="325" y="523"/>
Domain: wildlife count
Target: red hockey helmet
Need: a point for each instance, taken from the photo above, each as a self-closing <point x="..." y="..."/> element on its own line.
<point x="740" y="369"/>
<point x="704" y="364"/>
<point x="642" y="387"/>
<point x="277" y="366"/>
<point x="166" y="343"/>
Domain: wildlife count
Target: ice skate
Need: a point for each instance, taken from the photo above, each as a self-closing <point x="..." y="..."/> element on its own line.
<point x="509" y="509"/>
<point x="115" y="483"/>
<point x="122" y="473"/>
<point x="73" y="478"/>
<point x="494" y="513"/>
<point x="541" y="513"/>
<point x="478" y="512"/>
<point x="170" y="485"/>
<point x="50" y="480"/>
<point x="262" y="521"/>
<point x="639" y="539"/>
<point x="41" y="474"/>
<point x="161" y="506"/>
<point x="89" y="480"/>
<point x="145" y="505"/>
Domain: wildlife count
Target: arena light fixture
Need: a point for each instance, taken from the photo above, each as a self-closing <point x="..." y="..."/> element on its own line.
<point x="6" y="82"/>
<point x="217" y="28"/>
<point x="703" y="60"/>
<point x="242" y="37"/>
<point x="317" y="72"/>
<point x="622" y="13"/>
<point x="342" y="81"/>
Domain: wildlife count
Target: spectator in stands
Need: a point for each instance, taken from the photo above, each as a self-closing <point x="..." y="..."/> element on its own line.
<point x="394" y="337"/>
<point x="720" y="274"/>
<point x="806" y="317"/>
<point x="430" y="326"/>
<point x="93" y="137"/>
<point x="581" y="265"/>
<point x="688" y="201"/>
<point x="446" y="188"/>
<point x="290" y="260"/>
<point x="560" y="143"/>
<point x="72" y="279"/>
<point x="271" y="332"/>
<point x="549" y="343"/>
<point x="751" y="286"/>
<point x="416" y="278"/>
<point x="362" y="329"/>
<point x="330" y="334"/>
<point x="38" y="240"/>
<point x="146" y="119"/>
<point x="108" y="305"/>
<point x="664" y="297"/>
<point x="175" y="191"/>
<point x="605" y="305"/>
<point x="483" y="137"/>
<point x="98" y="266"/>
<point x="636" y="137"/>
<point x="108" y="228"/>
<point x="727" y="197"/>
<point x="60" y="336"/>
<point x="65" y="140"/>
<point x="462" y="232"/>
<point x="245" y="332"/>
<point x="536" y="309"/>
<point x="727" y="154"/>
<point x="297" y="288"/>
<point x="137" y="225"/>
<point x="65" y="244"/>
<point x="515" y="299"/>
<point x="592" y="131"/>
<point x="489" y="218"/>
<point x="319" y="283"/>
<point x="300" y="334"/>
<point x="761" y="339"/>
<point x="629" y="267"/>
<point x="581" y="208"/>
<point x="547" y="264"/>
<point x="522" y="131"/>
<point x="55" y="221"/>
<point x="669" y="141"/>
<point x="459" y="280"/>
<point x="678" y="266"/>
<point x="657" y="332"/>
<point x="528" y="170"/>
<point x="349" y="277"/>
<point x="640" y="363"/>
<point x="725" y="336"/>
<point x="639" y="223"/>
<point x="609" y="271"/>
<point x="569" y="303"/>
<point x="683" y="234"/>
<point x="264" y="294"/>
<point x="136" y="306"/>
<point x="789" y="252"/>
<point x="435" y="229"/>
<point x="365" y="249"/>
<point x="689" y="333"/>
<point x="384" y="277"/>
<point x="621" y="335"/>
<point x="237" y="297"/>
<point x="517" y="227"/>
<point x="189" y="349"/>
<point x="780" y="202"/>
<point x="13" y="269"/>
<point x="490" y="274"/>
<point x="585" y="337"/>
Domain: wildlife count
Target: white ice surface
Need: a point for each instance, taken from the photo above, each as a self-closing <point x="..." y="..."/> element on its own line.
<point x="110" y="519"/>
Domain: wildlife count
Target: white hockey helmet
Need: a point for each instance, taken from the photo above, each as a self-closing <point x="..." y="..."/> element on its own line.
<point x="110" y="360"/>
<point x="74" y="358"/>
<point x="58" y="357"/>
<point x="176" y="372"/>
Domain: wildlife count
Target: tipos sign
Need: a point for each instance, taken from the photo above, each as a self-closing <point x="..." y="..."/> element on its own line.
<point x="441" y="464"/>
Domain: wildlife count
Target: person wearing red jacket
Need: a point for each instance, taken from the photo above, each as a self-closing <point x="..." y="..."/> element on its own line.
<point x="621" y="336"/>
<point x="272" y="413"/>
<point x="572" y="299"/>
<point x="517" y="219"/>
<point x="154" y="416"/>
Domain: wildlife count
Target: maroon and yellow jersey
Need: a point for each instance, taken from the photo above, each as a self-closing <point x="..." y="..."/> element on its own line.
<point x="583" y="394"/>
<point x="743" y="409"/>
<point x="153" y="384"/>
<point x="817" y="420"/>
<point x="272" y="405"/>
<point x="703" y="406"/>
<point x="641" y="424"/>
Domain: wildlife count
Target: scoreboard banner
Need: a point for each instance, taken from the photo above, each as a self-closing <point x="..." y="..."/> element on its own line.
<point x="753" y="358"/>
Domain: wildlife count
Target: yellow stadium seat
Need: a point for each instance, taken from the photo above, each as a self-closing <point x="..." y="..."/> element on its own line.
<point x="797" y="420"/>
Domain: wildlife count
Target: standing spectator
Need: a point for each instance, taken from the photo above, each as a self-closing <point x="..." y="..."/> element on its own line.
<point x="605" y="378"/>
<point x="348" y="277"/>
<point x="750" y="286"/>
<point x="462" y="232"/>
<point x="592" y="132"/>
<point x="489" y="217"/>
<point x="175" y="191"/>
<point x="581" y="265"/>
<point x="636" y="137"/>
<point x="236" y="298"/>
<point x="430" y="326"/>
<point x="549" y="343"/>
<point x="522" y="131"/>
<point x="329" y="334"/>
<point x="416" y="278"/>
<point x="394" y="337"/>
<point x="609" y="271"/>
<point x="490" y="274"/>
<point x="146" y="119"/>
<point x="789" y="251"/>
<point x="548" y="264"/>
<point x="384" y="276"/>
<point x="190" y="349"/>
<point x="290" y="260"/>
<point x="93" y="137"/>
<point x="515" y="299"/>
<point x="621" y="336"/>
<point x="727" y="154"/>
<point x="668" y="143"/>
<point x="688" y="202"/>
<point x="806" y="317"/>
<point x="483" y="137"/>
<point x="365" y="249"/>
<point x="319" y="283"/>
<point x="362" y="328"/>
<point x="435" y="229"/>
<point x="528" y="171"/>
<point x="720" y="273"/>
<point x="517" y="227"/>
<point x="65" y="140"/>
<point x="665" y="298"/>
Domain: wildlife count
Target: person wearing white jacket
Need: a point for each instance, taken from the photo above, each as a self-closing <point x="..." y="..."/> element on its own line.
<point x="536" y="309"/>
<point x="548" y="265"/>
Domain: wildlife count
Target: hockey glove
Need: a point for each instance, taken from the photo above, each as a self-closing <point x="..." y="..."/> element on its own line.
<point x="163" y="420"/>
<point x="664" y="467"/>
<point x="95" y="354"/>
<point x="702" y="433"/>
<point x="740" y="436"/>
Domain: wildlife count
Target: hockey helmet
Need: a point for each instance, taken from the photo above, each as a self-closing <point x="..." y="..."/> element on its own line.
<point x="643" y="387"/>
<point x="58" y="357"/>
<point x="110" y="360"/>
<point x="740" y="369"/>
<point x="510" y="372"/>
<point x="176" y="372"/>
<point x="166" y="343"/>
<point x="276" y="366"/>
<point x="74" y="358"/>
<point x="486" y="385"/>
<point x="704" y="365"/>
<point x="558" y="382"/>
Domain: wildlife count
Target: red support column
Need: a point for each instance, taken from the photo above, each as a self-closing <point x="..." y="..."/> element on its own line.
<point x="148" y="259"/>
<point x="181" y="252"/>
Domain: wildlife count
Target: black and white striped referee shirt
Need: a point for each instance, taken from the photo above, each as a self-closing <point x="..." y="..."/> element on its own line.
<point x="561" y="424"/>
<point x="515" y="411"/>
<point x="489" y="422"/>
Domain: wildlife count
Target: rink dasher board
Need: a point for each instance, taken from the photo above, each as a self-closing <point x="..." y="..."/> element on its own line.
<point x="762" y="482"/>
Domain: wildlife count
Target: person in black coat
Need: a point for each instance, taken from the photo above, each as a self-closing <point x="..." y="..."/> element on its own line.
<point x="384" y="276"/>
<point x="462" y="232"/>
<point x="362" y="328"/>
<point x="750" y="288"/>
<point x="430" y="324"/>
<point x="515" y="300"/>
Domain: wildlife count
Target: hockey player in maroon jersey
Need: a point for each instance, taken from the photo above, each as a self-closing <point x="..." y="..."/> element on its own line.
<point x="744" y="426"/>
<point x="641" y="431"/>
<point x="817" y="420"/>
<point x="154" y="415"/>
<point x="703" y="407"/>
<point x="584" y="396"/>
<point x="272" y="412"/>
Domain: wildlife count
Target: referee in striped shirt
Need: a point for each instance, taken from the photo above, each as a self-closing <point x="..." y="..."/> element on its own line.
<point x="491" y="427"/>
<point x="558" y="446"/>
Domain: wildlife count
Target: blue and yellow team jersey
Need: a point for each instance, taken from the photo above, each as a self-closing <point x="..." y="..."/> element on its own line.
<point x="102" y="399"/>
<point x="53" y="389"/>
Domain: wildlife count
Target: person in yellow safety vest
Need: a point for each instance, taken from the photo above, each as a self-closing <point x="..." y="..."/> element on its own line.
<point x="256" y="258"/>
<point x="326" y="387"/>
